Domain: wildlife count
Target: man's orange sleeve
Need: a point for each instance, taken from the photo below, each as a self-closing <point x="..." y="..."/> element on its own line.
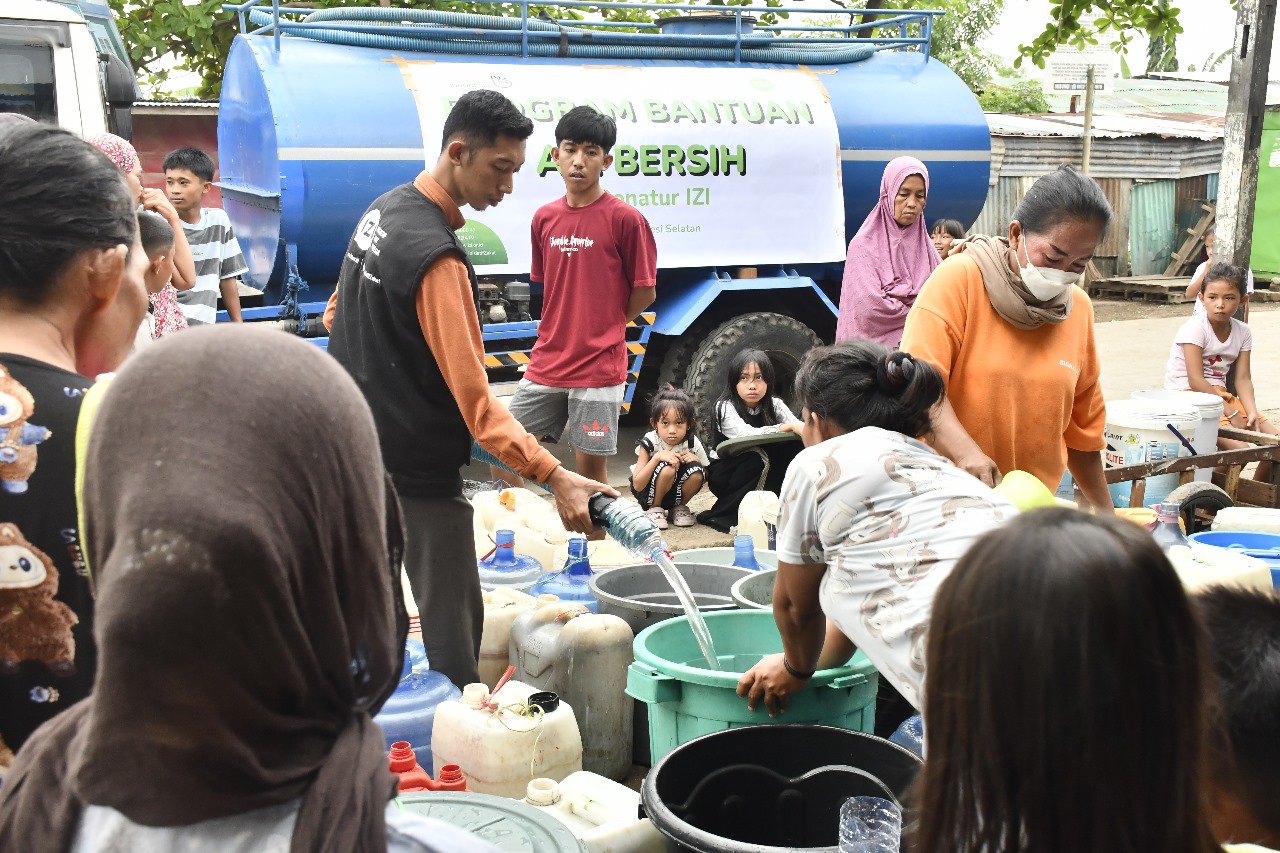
<point x="451" y="328"/>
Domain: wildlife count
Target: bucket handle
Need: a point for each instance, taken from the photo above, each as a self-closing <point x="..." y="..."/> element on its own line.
<point x="650" y="686"/>
<point x="853" y="679"/>
<point x="765" y="777"/>
<point x="1181" y="438"/>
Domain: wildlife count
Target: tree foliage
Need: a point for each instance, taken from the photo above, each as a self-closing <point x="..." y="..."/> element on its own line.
<point x="1162" y="51"/>
<point x="1117" y="20"/>
<point x="198" y="33"/>
<point x="1018" y="96"/>
<point x="956" y="35"/>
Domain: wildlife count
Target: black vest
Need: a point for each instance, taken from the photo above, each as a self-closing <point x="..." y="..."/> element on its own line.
<point x="376" y="336"/>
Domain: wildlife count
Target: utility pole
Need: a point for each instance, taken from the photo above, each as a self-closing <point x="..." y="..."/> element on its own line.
<point x="1088" y="121"/>
<point x="1242" y="135"/>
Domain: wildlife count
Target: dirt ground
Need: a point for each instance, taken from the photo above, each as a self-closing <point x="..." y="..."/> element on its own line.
<point x="1109" y="310"/>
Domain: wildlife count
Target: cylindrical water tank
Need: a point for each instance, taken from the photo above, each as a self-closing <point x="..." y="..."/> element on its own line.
<point x="310" y="134"/>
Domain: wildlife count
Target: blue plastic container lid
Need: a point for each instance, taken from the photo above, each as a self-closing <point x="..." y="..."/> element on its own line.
<point x="1264" y="546"/>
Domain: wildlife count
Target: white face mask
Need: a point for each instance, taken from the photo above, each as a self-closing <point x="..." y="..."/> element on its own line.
<point x="1044" y="284"/>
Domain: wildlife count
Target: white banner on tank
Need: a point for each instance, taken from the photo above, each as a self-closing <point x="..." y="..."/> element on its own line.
<point x="731" y="166"/>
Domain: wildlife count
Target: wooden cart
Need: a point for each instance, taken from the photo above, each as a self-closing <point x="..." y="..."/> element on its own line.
<point x="1201" y="501"/>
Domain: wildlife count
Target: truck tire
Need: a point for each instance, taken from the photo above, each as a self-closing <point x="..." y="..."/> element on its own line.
<point x="785" y="340"/>
<point x="675" y="362"/>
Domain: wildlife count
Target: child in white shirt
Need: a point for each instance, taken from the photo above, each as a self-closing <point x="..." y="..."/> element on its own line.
<point x="670" y="461"/>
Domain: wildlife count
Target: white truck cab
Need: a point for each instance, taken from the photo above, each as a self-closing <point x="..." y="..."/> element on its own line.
<point x="61" y="63"/>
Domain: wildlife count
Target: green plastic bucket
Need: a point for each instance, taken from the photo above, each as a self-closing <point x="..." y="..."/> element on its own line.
<point x="755" y="591"/>
<point x="686" y="700"/>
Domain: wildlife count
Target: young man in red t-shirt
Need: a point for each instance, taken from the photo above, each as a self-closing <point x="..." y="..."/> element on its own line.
<point x="597" y="261"/>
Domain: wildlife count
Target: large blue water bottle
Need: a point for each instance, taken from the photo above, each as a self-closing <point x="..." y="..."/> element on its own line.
<point x="573" y="582"/>
<point x="504" y="567"/>
<point x="744" y="553"/>
<point x="410" y="712"/>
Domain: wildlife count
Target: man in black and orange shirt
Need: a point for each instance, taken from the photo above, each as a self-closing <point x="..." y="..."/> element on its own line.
<point x="404" y="322"/>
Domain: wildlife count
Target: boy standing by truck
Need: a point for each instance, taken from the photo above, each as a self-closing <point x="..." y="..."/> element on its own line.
<point x="596" y="259"/>
<point x="188" y="175"/>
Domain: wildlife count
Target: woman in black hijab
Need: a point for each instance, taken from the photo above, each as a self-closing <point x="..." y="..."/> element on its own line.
<point x="245" y="548"/>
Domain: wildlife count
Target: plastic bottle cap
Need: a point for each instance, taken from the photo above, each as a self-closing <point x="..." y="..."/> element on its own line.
<point x="547" y="701"/>
<point x="473" y="695"/>
<point x="542" y="792"/>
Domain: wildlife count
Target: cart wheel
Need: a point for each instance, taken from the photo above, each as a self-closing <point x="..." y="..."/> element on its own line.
<point x="1195" y="497"/>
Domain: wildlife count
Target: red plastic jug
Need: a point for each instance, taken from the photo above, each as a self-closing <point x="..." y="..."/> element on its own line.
<point x="413" y="778"/>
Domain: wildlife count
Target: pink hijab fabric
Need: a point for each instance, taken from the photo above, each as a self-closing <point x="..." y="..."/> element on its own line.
<point x="121" y="151"/>
<point x="886" y="265"/>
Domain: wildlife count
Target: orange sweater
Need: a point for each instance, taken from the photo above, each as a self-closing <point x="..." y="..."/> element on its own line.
<point x="451" y="329"/>
<point x="1024" y="396"/>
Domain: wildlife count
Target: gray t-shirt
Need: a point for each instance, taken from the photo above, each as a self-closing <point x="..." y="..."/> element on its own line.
<point x="889" y="518"/>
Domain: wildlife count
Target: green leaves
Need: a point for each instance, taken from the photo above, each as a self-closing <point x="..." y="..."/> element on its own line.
<point x="196" y="35"/>
<point x="1020" y="96"/>
<point x="1117" y="21"/>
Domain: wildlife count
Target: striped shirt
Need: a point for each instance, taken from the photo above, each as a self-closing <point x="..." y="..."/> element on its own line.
<point x="217" y="256"/>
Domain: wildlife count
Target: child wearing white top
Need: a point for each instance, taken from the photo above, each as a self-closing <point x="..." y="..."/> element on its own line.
<point x="1205" y="349"/>
<point x="747" y="407"/>
<point x="670" y="461"/>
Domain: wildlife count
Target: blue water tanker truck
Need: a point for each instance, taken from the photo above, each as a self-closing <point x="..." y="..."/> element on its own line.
<point x="755" y="153"/>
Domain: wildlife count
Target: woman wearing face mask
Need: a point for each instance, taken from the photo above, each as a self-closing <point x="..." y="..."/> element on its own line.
<point x="1012" y="334"/>
<point x="889" y="258"/>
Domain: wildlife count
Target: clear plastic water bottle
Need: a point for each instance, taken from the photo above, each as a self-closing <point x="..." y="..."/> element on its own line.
<point x="744" y="553"/>
<point x="870" y="825"/>
<point x="1168" y="532"/>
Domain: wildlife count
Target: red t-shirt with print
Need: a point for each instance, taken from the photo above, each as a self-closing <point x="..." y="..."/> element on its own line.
<point x="588" y="259"/>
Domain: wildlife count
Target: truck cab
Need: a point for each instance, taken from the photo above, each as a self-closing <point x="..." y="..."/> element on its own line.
<point x="64" y="63"/>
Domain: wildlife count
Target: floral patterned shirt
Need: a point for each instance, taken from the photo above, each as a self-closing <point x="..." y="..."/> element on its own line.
<point x="888" y="517"/>
<point x="167" y="312"/>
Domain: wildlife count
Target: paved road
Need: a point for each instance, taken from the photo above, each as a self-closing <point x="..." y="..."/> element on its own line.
<point x="1134" y="353"/>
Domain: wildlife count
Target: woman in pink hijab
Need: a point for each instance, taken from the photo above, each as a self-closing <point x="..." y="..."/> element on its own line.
<point x="889" y="258"/>
<point x="164" y="305"/>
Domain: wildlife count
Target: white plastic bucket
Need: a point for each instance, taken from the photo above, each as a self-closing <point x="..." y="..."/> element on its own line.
<point x="1138" y="431"/>
<point x="1210" y="407"/>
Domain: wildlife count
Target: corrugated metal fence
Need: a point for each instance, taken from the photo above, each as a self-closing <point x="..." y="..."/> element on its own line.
<point x="1112" y="257"/>
<point x="1153" y="233"/>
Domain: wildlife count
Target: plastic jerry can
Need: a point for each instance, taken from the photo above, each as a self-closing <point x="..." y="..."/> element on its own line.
<point x="583" y="657"/>
<point x="534" y="543"/>
<point x="601" y="813"/>
<point x="402" y="762"/>
<point x="504" y="566"/>
<point x="501" y="607"/>
<point x="751" y="516"/>
<point x="504" y="507"/>
<point x="483" y="538"/>
<point x="500" y="744"/>
<point x="548" y="524"/>
<point x="1249" y="519"/>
